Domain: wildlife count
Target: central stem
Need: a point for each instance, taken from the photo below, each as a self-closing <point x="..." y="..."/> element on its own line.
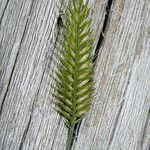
<point x="70" y="137"/>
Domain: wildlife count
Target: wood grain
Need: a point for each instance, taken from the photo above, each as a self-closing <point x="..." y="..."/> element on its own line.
<point x="29" y="39"/>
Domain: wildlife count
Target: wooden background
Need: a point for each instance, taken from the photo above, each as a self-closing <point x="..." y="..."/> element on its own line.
<point x="120" y="117"/>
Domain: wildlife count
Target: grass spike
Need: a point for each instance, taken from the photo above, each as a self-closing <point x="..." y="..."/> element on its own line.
<point x="76" y="68"/>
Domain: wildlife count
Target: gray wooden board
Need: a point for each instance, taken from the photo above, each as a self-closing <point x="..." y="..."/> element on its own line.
<point x="29" y="40"/>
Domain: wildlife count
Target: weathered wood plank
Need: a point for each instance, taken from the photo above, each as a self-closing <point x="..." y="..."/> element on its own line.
<point x="29" y="36"/>
<point x="121" y="108"/>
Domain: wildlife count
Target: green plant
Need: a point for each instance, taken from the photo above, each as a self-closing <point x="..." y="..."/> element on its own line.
<point x="75" y="70"/>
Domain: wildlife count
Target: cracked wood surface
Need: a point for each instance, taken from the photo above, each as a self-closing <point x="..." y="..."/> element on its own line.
<point x="120" y="117"/>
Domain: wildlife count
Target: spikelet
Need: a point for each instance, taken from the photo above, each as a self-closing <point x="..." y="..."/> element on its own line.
<point x="75" y="71"/>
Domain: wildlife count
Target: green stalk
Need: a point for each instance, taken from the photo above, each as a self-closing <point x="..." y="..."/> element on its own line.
<point x="70" y="138"/>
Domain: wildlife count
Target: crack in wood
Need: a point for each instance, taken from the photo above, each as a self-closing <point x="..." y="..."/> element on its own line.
<point x="1" y="108"/>
<point x="58" y="35"/>
<point x="4" y="12"/>
<point x="25" y="133"/>
<point x="145" y="128"/>
<point x="105" y="25"/>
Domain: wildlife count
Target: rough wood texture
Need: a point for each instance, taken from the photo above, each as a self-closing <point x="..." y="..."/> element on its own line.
<point x="120" y="117"/>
